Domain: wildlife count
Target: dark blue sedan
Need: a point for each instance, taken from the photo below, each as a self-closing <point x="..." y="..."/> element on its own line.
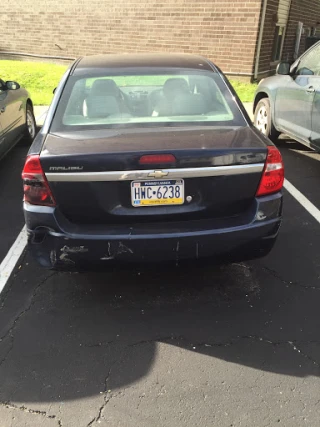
<point x="149" y="158"/>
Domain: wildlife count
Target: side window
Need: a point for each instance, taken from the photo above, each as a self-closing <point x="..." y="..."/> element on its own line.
<point x="310" y="63"/>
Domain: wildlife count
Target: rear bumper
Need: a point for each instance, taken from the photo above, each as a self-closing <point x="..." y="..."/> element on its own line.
<point x="55" y="243"/>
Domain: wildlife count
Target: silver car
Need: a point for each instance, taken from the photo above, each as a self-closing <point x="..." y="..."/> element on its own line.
<point x="16" y="116"/>
<point x="289" y="102"/>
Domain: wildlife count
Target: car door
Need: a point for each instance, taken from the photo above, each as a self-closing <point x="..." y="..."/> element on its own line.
<point x="11" y="115"/>
<point x="295" y="100"/>
<point x="315" y="134"/>
<point x="315" y="117"/>
<point x="3" y="137"/>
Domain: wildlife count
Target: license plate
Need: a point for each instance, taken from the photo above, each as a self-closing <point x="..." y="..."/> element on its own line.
<point x="157" y="193"/>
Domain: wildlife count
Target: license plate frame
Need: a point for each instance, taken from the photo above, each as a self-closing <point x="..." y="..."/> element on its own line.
<point x="157" y="187"/>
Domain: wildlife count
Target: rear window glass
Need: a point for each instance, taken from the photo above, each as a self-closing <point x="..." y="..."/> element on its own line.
<point x="107" y="101"/>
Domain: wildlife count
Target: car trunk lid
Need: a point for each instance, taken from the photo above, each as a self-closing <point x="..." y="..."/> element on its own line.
<point x="91" y="173"/>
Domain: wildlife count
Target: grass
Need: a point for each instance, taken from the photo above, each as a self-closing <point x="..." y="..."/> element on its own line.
<point x="41" y="78"/>
<point x="244" y="90"/>
<point x="38" y="78"/>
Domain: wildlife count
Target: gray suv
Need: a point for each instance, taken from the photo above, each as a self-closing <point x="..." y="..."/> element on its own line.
<point x="290" y="101"/>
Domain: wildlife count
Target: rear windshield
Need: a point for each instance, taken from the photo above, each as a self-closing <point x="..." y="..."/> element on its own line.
<point x="142" y="100"/>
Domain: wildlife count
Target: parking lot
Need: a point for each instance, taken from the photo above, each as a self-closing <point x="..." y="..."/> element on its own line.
<point x="186" y="345"/>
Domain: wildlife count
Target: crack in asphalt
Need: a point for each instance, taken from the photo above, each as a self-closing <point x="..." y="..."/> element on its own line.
<point x="194" y="345"/>
<point x="23" y="312"/>
<point x="97" y="419"/>
<point x="107" y="395"/>
<point x="23" y="408"/>
<point x="99" y="344"/>
<point x="288" y="282"/>
<point x="16" y="321"/>
<point x="141" y="396"/>
<point x="8" y="352"/>
<point x="221" y="343"/>
<point x="292" y="344"/>
<point x="102" y="407"/>
<point x="295" y="348"/>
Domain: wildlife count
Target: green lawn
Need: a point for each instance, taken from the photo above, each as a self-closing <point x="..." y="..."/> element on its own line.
<point x="245" y="91"/>
<point x="38" y="78"/>
<point x="41" y="78"/>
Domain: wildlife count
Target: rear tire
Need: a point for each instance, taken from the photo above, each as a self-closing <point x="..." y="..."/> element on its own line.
<point x="31" y="126"/>
<point x="263" y="120"/>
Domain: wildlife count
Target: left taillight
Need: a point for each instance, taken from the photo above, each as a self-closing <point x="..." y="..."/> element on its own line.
<point x="35" y="185"/>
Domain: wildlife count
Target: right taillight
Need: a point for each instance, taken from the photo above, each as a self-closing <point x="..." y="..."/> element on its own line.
<point x="35" y="185"/>
<point x="273" y="173"/>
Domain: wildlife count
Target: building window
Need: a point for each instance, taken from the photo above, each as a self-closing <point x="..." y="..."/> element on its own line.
<point x="278" y="43"/>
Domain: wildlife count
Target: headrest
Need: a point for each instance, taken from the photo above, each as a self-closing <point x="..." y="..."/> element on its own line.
<point x="173" y="86"/>
<point x="105" y="87"/>
<point x="102" y="106"/>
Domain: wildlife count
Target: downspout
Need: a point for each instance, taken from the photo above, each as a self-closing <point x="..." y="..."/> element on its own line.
<point x="263" y="18"/>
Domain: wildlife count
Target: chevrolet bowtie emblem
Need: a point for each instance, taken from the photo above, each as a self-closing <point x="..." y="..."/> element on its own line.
<point x="157" y="174"/>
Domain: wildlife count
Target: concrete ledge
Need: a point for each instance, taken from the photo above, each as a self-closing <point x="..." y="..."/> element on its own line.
<point x="40" y="112"/>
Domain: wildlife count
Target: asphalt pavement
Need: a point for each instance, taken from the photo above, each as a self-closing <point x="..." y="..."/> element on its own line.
<point x="187" y="345"/>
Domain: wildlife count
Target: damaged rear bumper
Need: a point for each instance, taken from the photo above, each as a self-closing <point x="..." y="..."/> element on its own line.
<point x="55" y="243"/>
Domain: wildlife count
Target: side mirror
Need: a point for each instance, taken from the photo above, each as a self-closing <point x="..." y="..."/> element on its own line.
<point x="54" y="90"/>
<point x="283" y="69"/>
<point x="10" y="85"/>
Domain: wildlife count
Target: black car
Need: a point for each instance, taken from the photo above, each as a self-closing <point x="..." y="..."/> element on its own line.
<point x="16" y="116"/>
<point x="149" y="158"/>
<point x="290" y="101"/>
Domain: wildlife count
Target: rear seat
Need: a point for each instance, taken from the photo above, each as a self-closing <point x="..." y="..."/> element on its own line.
<point x="171" y="88"/>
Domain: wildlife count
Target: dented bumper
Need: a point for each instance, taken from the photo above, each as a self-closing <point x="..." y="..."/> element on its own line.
<point x="56" y="243"/>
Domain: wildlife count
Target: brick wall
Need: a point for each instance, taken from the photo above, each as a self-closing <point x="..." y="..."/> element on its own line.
<point x="306" y="11"/>
<point x="222" y="30"/>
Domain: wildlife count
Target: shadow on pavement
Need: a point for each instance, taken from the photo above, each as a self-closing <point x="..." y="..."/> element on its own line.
<point x="302" y="168"/>
<point x="11" y="215"/>
<point x="83" y="334"/>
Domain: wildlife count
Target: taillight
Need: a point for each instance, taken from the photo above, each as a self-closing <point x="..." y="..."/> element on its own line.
<point x="151" y="159"/>
<point x="35" y="185"/>
<point x="273" y="173"/>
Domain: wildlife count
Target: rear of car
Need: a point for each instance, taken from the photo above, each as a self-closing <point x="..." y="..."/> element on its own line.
<point x="149" y="159"/>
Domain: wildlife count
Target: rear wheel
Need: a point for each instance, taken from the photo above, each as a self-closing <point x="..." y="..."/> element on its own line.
<point x="263" y="119"/>
<point x="30" y="131"/>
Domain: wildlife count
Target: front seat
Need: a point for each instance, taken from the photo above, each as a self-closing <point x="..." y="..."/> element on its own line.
<point x="104" y="100"/>
<point x="171" y="89"/>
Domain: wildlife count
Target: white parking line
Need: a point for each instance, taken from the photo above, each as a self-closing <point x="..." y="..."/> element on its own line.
<point x="8" y="264"/>
<point x="12" y="257"/>
<point x="10" y="261"/>
<point x="310" y="207"/>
